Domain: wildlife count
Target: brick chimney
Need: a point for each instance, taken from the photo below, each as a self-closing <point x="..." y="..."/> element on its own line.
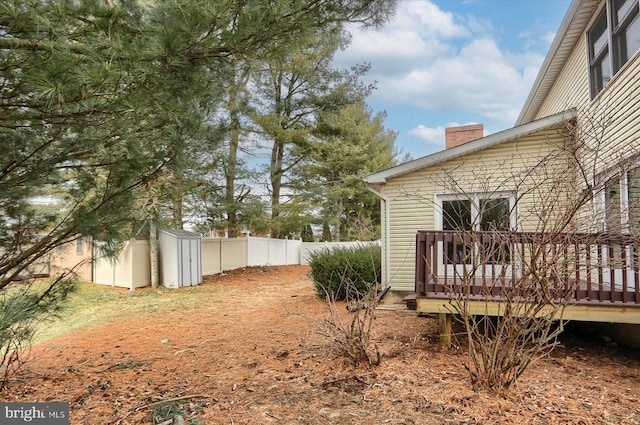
<point x="456" y="136"/>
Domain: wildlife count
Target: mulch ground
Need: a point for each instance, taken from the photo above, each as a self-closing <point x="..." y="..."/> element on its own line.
<point x="254" y="356"/>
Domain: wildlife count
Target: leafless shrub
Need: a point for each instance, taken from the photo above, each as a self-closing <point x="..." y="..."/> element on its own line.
<point x="515" y="314"/>
<point x="350" y="330"/>
<point x="520" y="315"/>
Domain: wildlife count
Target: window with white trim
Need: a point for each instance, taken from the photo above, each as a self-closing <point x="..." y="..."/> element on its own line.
<point x="479" y="212"/>
<point x="476" y="212"/>
<point x="613" y="39"/>
<point x="621" y="203"/>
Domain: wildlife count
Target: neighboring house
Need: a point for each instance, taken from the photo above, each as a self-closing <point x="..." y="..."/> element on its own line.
<point x="81" y="260"/>
<point x="73" y="257"/>
<point x="576" y="135"/>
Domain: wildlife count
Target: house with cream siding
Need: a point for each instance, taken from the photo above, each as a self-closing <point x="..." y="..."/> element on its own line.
<point x="587" y="95"/>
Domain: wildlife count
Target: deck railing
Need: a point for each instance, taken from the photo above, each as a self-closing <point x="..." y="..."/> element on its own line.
<point x="579" y="268"/>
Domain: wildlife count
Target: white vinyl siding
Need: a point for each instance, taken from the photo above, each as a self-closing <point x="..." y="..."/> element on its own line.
<point x="615" y="108"/>
<point x="413" y="196"/>
<point x="571" y="88"/>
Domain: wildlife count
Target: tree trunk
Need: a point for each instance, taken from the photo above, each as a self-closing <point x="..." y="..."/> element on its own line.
<point x="336" y="223"/>
<point x="277" y="155"/>
<point x="176" y="196"/>
<point x="231" y="168"/>
<point x="178" y="219"/>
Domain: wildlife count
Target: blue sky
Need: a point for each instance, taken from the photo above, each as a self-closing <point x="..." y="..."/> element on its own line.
<point x="441" y="63"/>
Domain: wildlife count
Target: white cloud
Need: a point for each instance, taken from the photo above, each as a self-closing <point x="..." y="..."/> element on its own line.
<point x="418" y="34"/>
<point x="548" y="37"/>
<point x="432" y="22"/>
<point x="433" y="136"/>
<point x="430" y="136"/>
<point x="437" y="61"/>
<point x="479" y="78"/>
<point x="479" y="25"/>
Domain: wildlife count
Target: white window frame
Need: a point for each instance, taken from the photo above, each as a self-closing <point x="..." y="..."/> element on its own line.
<point x="612" y="47"/>
<point x="475" y="204"/>
<point x="600" y="209"/>
<point x="79" y="246"/>
<point x="475" y="198"/>
<point x="600" y="204"/>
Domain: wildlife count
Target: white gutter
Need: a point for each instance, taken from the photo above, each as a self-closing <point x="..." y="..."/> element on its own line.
<point x="387" y="236"/>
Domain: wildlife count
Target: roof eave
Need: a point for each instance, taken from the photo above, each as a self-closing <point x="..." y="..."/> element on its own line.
<point x="573" y="25"/>
<point x="513" y="133"/>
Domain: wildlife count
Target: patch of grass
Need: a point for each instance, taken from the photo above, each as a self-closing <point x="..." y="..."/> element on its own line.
<point x="129" y="365"/>
<point x="93" y="304"/>
<point x="170" y="409"/>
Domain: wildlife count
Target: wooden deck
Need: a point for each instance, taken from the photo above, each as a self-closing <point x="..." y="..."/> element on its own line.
<point x="594" y="276"/>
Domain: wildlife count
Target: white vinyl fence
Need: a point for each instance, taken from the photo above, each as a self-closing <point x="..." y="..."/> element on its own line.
<point x="219" y="254"/>
<point x="132" y="268"/>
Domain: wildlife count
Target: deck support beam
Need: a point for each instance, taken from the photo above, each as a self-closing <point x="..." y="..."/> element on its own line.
<point x="603" y="312"/>
<point x="444" y="320"/>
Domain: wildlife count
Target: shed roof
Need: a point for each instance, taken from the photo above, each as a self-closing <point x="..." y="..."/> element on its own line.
<point x="573" y="25"/>
<point x="510" y="134"/>
<point x="182" y="234"/>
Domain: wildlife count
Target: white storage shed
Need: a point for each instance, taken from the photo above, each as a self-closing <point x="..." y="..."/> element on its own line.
<point x="131" y="269"/>
<point x="180" y="258"/>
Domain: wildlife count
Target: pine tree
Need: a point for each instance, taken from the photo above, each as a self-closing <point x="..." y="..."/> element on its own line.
<point x="97" y="99"/>
<point x="352" y="143"/>
<point x="294" y="87"/>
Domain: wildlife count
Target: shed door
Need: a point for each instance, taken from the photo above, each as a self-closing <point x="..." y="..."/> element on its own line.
<point x="186" y="262"/>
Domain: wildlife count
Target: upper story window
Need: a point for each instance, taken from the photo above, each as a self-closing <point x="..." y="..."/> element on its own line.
<point x="613" y="39"/>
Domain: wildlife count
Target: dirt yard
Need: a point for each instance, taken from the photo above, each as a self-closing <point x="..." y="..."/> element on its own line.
<point x="247" y="351"/>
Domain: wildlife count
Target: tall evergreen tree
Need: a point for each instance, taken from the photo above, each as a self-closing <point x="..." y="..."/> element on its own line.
<point x="294" y="87"/>
<point x="352" y="143"/>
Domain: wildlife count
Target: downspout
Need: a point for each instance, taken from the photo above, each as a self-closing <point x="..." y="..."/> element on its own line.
<point x="387" y="236"/>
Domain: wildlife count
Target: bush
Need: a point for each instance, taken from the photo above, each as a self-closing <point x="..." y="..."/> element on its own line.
<point x="351" y="335"/>
<point x="345" y="273"/>
<point x="22" y="305"/>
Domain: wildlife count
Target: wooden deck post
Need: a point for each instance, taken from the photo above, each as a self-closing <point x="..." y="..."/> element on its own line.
<point x="445" y="329"/>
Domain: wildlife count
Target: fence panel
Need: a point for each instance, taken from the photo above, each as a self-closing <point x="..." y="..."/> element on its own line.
<point x="211" y="256"/>
<point x="258" y="251"/>
<point x="272" y="252"/>
<point x="277" y="252"/>
<point x="234" y="253"/>
<point x="293" y="251"/>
